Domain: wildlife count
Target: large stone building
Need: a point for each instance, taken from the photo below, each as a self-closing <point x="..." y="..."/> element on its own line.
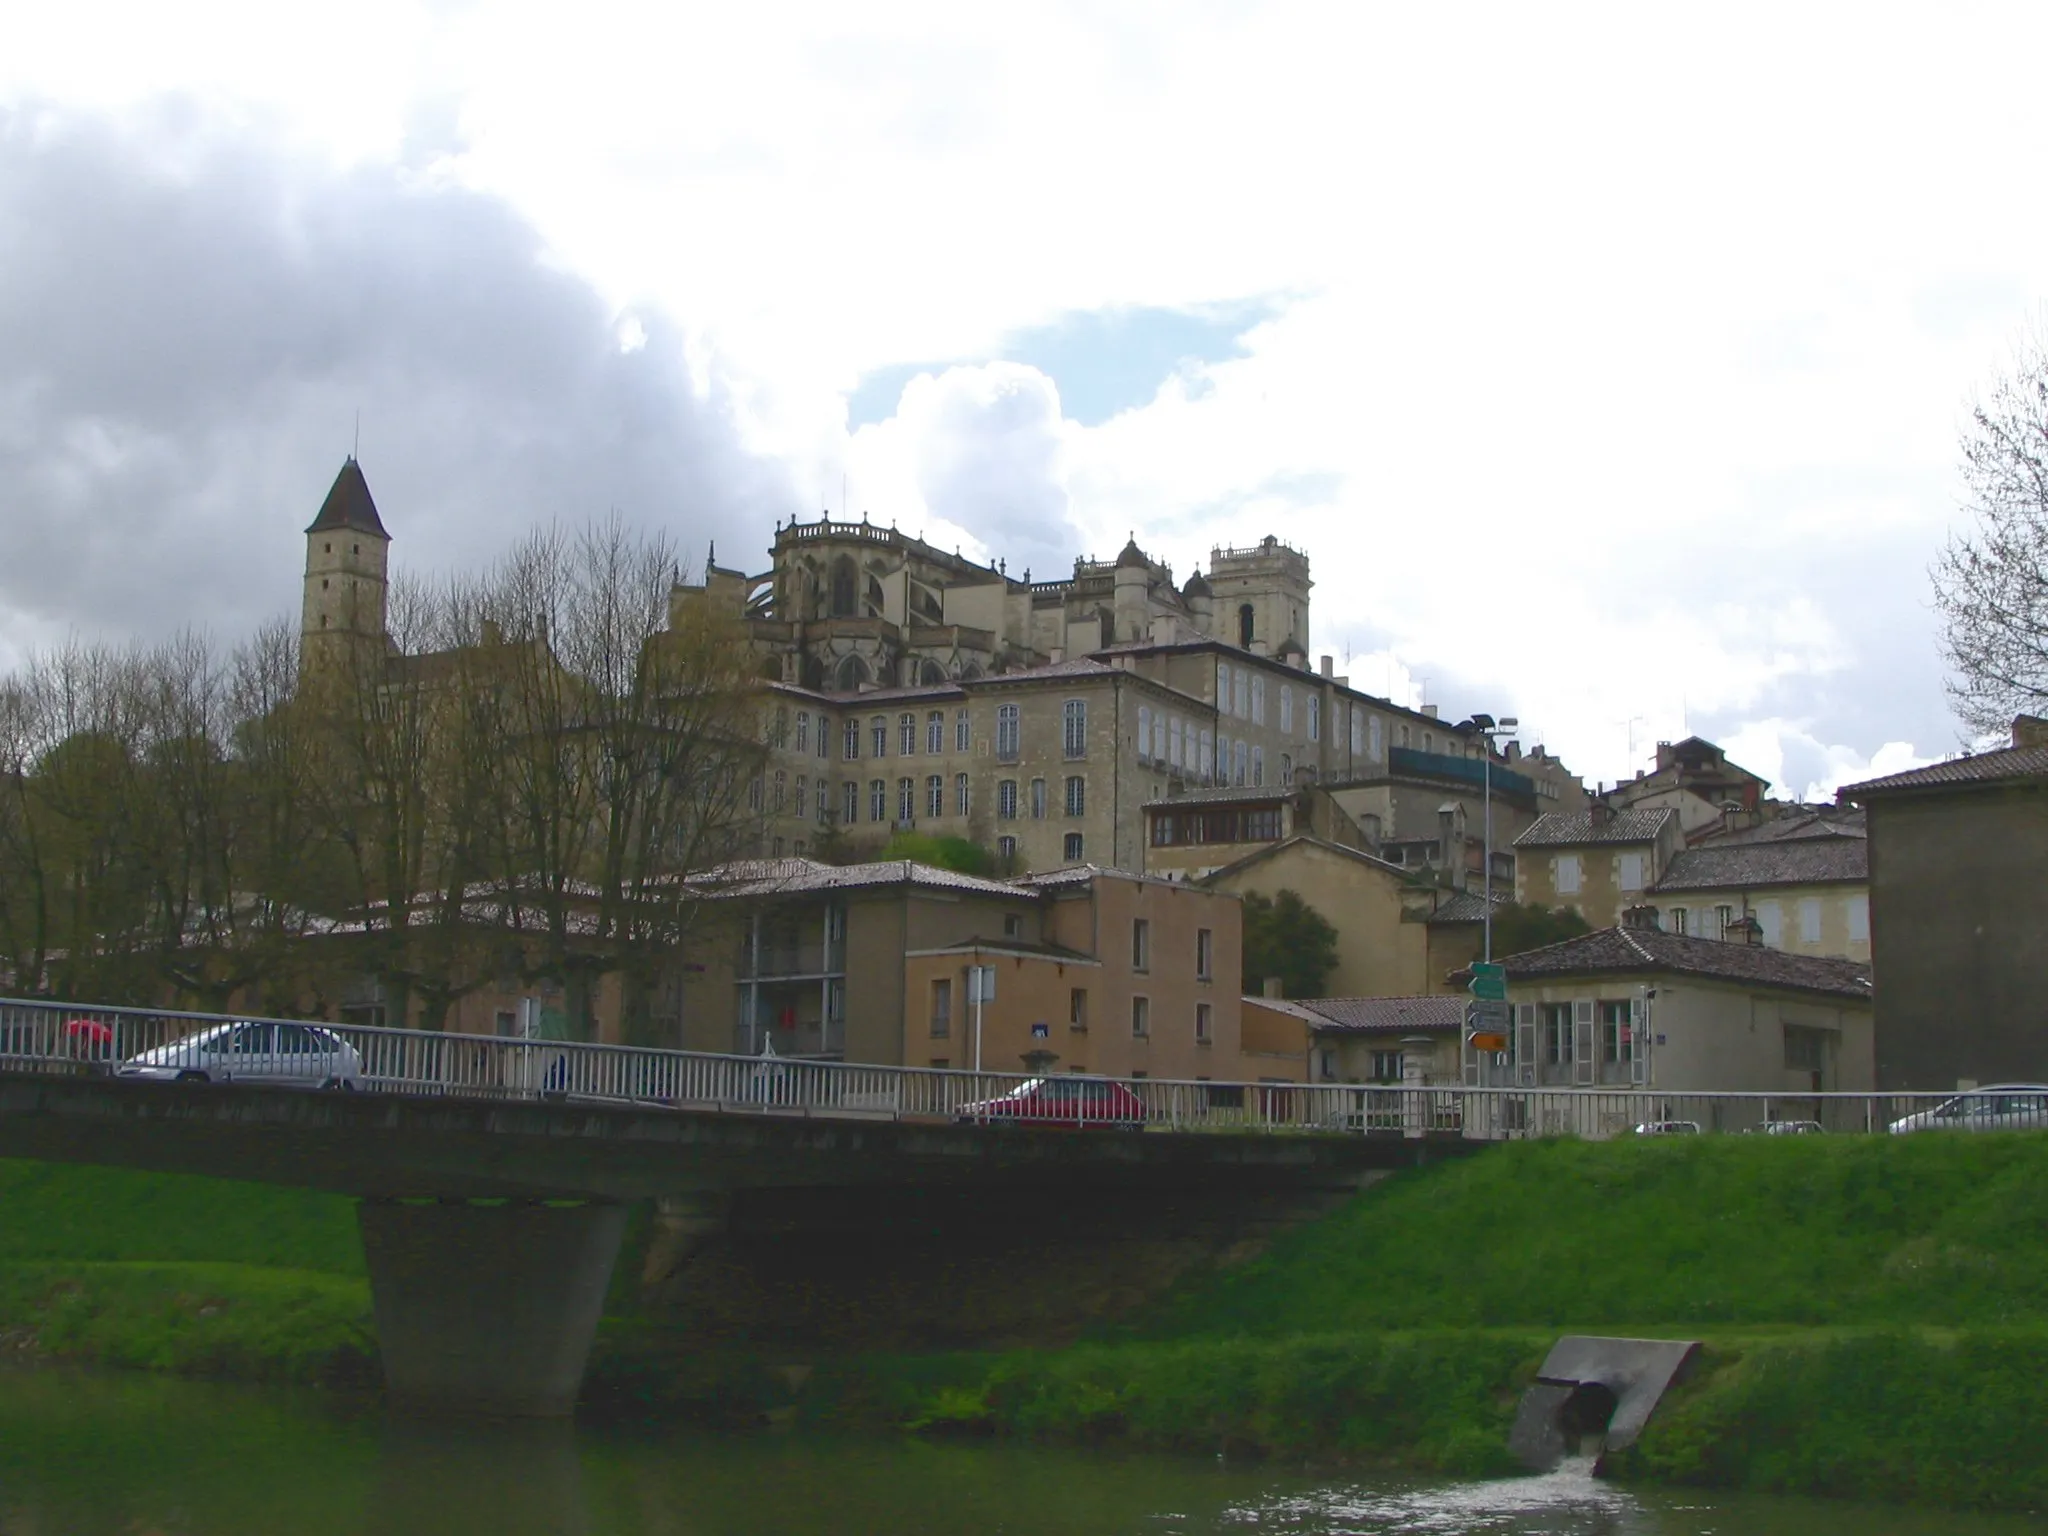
<point x="917" y="690"/>
<point x="906" y="688"/>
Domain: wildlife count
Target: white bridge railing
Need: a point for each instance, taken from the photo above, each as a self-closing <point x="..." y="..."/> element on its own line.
<point x="195" y="1049"/>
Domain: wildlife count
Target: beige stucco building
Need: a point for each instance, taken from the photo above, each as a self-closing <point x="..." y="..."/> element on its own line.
<point x="1636" y="1007"/>
<point x="1096" y="971"/>
<point x="1802" y="879"/>
<point x="1600" y="861"/>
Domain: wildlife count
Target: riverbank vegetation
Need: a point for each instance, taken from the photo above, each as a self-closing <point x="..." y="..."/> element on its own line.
<point x="1873" y="1309"/>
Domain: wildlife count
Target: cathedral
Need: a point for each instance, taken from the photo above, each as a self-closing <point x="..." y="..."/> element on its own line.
<point x="847" y="606"/>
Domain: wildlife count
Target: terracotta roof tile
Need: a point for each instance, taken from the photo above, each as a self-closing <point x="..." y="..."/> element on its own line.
<point x="1569" y="829"/>
<point x="2008" y="763"/>
<point x="1650" y="951"/>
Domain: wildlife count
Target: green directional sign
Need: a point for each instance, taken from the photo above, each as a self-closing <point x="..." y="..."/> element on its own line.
<point x="1489" y="982"/>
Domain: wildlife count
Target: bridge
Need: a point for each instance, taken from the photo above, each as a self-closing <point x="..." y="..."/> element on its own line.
<point x="493" y="1175"/>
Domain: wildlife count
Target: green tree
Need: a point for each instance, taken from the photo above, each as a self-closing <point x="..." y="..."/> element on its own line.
<point x="1286" y="937"/>
<point x="959" y="854"/>
<point x="1518" y="926"/>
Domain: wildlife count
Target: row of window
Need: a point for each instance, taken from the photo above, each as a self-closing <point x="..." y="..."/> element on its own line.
<point x="940" y="1015"/>
<point x="1008" y="802"/>
<point x="1719" y="922"/>
<point x="1178" y="828"/>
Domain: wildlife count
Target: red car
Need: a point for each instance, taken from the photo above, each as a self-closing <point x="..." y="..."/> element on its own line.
<point x="1093" y="1102"/>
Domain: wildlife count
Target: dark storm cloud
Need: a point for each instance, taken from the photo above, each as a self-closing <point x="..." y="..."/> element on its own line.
<point x="189" y="324"/>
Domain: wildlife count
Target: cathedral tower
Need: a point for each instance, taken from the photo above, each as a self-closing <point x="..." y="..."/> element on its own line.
<point x="1261" y="597"/>
<point x="342" y="615"/>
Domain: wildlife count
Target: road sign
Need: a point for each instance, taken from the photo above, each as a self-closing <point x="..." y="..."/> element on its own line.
<point x="1489" y="982"/>
<point x="1484" y="1042"/>
<point x="1490" y="1016"/>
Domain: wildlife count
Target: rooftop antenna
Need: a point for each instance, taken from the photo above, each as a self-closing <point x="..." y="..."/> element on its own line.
<point x="356" y="448"/>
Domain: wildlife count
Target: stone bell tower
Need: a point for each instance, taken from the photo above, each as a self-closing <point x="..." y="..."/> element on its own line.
<point x="341" y="618"/>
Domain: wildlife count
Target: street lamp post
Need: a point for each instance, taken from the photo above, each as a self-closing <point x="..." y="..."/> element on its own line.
<point x="1488" y="729"/>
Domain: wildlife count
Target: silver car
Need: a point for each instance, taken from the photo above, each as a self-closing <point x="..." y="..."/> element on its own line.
<point x="2000" y="1107"/>
<point x="288" y="1055"/>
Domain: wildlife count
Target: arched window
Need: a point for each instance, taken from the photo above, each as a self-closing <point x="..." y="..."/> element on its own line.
<point x="845" y="588"/>
<point x="852" y="673"/>
<point x="1244" y="625"/>
<point x="930" y="674"/>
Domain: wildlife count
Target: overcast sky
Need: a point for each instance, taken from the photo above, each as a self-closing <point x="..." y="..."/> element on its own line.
<point x="1607" y="362"/>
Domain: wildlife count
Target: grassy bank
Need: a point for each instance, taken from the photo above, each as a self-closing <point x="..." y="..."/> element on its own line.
<point x="1874" y="1308"/>
<point x="165" y="1272"/>
<point x="1699" y="1233"/>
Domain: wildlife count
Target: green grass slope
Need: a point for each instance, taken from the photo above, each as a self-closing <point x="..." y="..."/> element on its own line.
<point x="71" y="1213"/>
<point x="1705" y="1233"/>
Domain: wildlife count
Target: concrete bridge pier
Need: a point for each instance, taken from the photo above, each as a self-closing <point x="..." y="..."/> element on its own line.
<point x="487" y="1307"/>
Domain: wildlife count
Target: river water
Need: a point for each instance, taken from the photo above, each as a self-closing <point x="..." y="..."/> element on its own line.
<point x="88" y="1455"/>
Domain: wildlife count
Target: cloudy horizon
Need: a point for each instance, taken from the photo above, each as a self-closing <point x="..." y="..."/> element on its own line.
<point x="1610" y="374"/>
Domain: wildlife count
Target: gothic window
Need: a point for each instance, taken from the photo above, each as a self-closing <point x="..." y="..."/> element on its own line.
<point x="930" y="674"/>
<point x="853" y="672"/>
<point x="1244" y="625"/>
<point x="845" y="588"/>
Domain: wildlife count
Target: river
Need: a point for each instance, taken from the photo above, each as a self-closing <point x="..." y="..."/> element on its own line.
<point x="85" y="1455"/>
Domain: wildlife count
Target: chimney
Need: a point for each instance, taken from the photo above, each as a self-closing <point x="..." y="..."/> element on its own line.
<point x="1429" y="710"/>
<point x="1601" y="813"/>
<point x="2029" y="731"/>
<point x="1270" y="987"/>
<point x="1640" y="917"/>
<point x="1328" y="662"/>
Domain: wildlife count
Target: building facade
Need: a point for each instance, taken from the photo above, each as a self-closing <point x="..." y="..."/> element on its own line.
<point x="1600" y="861"/>
<point x="1958" y="913"/>
<point x="1635" y="1007"/>
<point x="1802" y="879"/>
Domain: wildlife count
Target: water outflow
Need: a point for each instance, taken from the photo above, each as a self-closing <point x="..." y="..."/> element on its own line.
<point x="1594" y="1395"/>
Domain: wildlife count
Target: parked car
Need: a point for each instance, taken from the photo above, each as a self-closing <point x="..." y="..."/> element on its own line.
<point x="1792" y="1128"/>
<point x="1079" y="1101"/>
<point x="2000" y="1107"/>
<point x="289" y="1055"/>
<point x="1668" y="1128"/>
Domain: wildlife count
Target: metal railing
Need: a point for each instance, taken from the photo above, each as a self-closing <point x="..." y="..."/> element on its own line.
<point x="196" y="1048"/>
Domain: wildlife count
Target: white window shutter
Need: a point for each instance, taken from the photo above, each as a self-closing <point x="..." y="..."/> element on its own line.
<point x="1525" y="1044"/>
<point x="1582" y="1044"/>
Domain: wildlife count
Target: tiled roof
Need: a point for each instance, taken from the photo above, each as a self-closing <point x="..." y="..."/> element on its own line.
<point x="1468" y="906"/>
<point x="1224" y="795"/>
<point x="1803" y="861"/>
<point x="2006" y="764"/>
<point x="1568" y="829"/>
<point x="349" y="505"/>
<point x="1647" y="950"/>
<point x="1030" y="950"/>
<point x="1797" y="826"/>
<point x="1384" y="1015"/>
<point x="801" y="877"/>
<point x="1308" y="839"/>
<point x="1078" y="666"/>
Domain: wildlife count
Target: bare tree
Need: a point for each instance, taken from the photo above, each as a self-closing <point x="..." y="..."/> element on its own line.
<point x="635" y="742"/>
<point x="1991" y="586"/>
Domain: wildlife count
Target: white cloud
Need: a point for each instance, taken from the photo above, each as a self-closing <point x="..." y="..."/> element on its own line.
<point x="1611" y="343"/>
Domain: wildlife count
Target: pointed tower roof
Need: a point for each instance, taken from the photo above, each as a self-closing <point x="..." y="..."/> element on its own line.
<point x="349" y="504"/>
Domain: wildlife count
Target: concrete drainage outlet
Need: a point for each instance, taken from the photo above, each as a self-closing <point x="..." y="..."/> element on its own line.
<point x="1594" y="1395"/>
